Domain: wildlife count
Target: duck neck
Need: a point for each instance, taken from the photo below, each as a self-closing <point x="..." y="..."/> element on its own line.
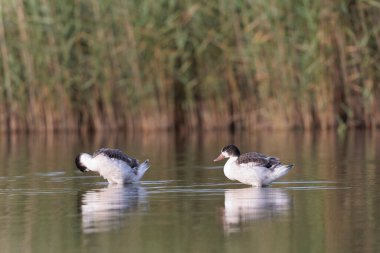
<point x="229" y="167"/>
<point x="88" y="161"/>
<point x="231" y="160"/>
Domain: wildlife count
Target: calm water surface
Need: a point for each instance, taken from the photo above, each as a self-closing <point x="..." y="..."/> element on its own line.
<point x="330" y="201"/>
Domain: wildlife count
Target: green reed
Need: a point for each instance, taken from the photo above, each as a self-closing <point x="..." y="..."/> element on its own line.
<point x="148" y="65"/>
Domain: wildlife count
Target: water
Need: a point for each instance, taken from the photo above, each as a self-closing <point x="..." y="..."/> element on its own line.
<point x="328" y="203"/>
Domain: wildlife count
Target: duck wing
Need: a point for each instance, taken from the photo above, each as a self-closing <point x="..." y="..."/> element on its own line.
<point x="257" y="159"/>
<point x="118" y="154"/>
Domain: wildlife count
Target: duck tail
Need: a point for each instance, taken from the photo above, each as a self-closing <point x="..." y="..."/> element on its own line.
<point x="143" y="167"/>
<point x="279" y="171"/>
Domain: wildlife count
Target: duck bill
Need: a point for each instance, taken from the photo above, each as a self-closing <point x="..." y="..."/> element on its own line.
<point x="220" y="157"/>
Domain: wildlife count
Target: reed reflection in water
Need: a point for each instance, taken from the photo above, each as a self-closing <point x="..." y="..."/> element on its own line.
<point x="328" y="203"/>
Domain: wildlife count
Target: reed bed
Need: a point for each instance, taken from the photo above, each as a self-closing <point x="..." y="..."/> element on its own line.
<point x="75" y="65"/>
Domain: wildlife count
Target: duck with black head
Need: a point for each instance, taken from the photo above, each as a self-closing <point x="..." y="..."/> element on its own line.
<point x="251" y="168"/>
<point x="113" y="165"/>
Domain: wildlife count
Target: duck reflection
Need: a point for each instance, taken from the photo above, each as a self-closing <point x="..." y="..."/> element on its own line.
<point x="104" y="209"/>
<point x="249" y="204"/>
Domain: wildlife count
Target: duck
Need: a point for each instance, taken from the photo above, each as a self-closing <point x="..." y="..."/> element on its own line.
<point x="251" y="168"/>
<point x="113" y="165"/>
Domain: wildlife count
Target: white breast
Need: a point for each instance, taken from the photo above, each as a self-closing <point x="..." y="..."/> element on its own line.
<point x="229" y="168"/>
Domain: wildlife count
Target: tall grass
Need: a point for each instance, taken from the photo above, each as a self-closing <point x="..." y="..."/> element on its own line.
<point x="147" y="65"/>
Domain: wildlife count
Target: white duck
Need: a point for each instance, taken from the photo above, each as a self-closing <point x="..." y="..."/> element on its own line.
<point x="113" y="165"/>
<point x="251" y="168"/>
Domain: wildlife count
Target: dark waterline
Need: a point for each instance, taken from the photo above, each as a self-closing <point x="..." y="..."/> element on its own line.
<point x="327" y="203"/>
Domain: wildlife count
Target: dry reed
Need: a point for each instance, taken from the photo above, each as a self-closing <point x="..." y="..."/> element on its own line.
<point x="149" y="65"/>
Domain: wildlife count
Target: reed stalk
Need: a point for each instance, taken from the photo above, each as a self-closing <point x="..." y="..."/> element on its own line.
<point x="154" y="65"/>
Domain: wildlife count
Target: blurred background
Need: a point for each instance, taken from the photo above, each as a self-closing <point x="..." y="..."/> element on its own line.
<point x="149" y="77"/>
<point x="73" y="65"/>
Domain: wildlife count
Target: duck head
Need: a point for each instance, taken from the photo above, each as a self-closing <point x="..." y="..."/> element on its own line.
<point x="227" y="152"/>
<point x="79" y="162"/>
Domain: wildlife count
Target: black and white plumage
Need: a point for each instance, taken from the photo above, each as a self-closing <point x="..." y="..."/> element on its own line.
<point x="113" y="165"/>
<point x="251" y="168"/>
<point x="259" y="159"/>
